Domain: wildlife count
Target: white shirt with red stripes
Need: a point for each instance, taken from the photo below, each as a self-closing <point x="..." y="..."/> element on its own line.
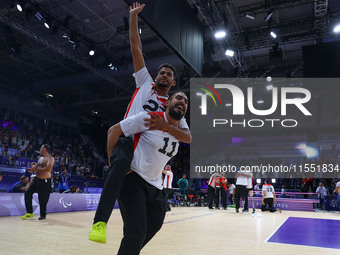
<point x="167" y="182"/>
<point x="219" y="180"/>
<point x="146" y="99"/>
<point x="152" y="148"/>
<point x="212" y="181"/>
<point x="269" y="190"/>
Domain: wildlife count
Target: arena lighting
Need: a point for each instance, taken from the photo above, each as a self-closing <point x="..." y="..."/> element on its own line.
<point x="260" y="101"/>
<point x="46" y="25"/>
<point x="258" y="180"/>
<point x="228" y="105"/>
<point x="250" y="16"/>
<point x="269" y="15"/>
<point x="229" y="53"/>
<point x="91" y="52"/>
<point x="19" y="7"/>
<point x="273" y="180"/>
<point x="269" y="87"/>
<point x="140" y="30"/>
<point x="336" y="28"/>
<point x="220" y="34"/>
<point x="311" y="152"/>
<point x="273" y="34"/>
<point x="269" y="79"/>
<point x="49" y="95"/>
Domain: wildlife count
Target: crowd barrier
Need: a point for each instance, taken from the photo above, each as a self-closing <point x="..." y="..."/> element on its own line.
<point x="12" y="204"/>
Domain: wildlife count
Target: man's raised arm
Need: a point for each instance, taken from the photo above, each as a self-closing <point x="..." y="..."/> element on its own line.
<point x="135" y="43"/>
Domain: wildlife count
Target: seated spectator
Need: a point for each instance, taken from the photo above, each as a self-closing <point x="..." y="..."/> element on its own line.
<point x="1" y="175"/>
<point x="19" y="186"/>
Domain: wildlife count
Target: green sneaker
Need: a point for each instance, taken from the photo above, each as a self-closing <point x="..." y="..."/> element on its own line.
<point x="232" y="206"/>
<point x="27" y="216"/>
<point x="98" y="232"/>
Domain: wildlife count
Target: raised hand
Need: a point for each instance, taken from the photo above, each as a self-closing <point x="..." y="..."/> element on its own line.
<point x="136" y="8"/>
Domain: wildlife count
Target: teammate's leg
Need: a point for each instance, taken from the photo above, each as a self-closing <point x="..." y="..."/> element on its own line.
<point x="29" y="196"/>
<point x="237" y="197"/>
<point x="231" y="199"/>
<point x="245" y="207"/>
<point x="120" y="165"/>
<point x="210" y="196"/>
<point x="155" y="212"/>
<point x="44" y="190"/>
<point x="224" y="198"/>
<point x="132" y="204"/>
<point x="271" y="204"/>
<point x="264" y="206"/>
<point x="218" y="193"/>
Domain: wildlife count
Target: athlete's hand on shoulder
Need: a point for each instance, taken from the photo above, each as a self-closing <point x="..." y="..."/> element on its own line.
<point x="136" y="8"/>
<point x="156" y="122"/>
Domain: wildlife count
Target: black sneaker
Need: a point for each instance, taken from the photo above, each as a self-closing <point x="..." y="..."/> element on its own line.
<point x="42" y="217"/>
<point x="237" y="211"/>
<point x="225" y="208"/>
<point x="245" y="210"/>
<point x="217" y="208"/>
<point x="211" y="208"/>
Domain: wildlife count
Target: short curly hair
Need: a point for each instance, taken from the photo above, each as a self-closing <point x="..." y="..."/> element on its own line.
<point x="174" y="71"/>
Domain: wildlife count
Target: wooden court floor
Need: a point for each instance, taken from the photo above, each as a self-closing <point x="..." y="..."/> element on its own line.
<point x="189" y="231"/>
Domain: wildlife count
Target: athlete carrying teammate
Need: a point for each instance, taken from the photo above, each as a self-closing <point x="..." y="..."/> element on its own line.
<point x="149" y="96"/>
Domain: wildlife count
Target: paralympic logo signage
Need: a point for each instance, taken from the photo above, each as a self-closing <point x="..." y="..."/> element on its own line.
<point x="240" y="101"/>
<point x="64" y="203"/>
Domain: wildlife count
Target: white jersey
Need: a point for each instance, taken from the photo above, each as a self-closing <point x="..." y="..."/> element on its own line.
<point x="269" y="189"/>
<point x="212" y="181"/>
<point x="231" y="189"/>
<point x="146" y="99"/>
<point x="152" y="148"/>
<point x="338" y="185"/>
<point x="167" y="182"/>
<point x="322" y="191"/>
<point x="245" y="180"/>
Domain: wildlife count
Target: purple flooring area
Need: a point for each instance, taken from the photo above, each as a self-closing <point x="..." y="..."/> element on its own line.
<point x="311" y="232"/>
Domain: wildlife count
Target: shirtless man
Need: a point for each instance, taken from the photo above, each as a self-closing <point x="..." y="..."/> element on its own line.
<point x="41" y="183"/>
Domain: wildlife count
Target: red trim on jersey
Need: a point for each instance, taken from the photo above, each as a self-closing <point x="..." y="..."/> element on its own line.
<point x="153" y="114"/>
<point x="136" y="140"/>
<point x="131" y="101"/>
<point x="163" y="100"/>
<point x="211" y="181"/>
<point x="267" y="184"/>
<point x="167" y="182"/>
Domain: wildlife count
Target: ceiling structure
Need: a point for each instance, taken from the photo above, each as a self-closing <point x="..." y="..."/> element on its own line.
<point x="36" y="62"/>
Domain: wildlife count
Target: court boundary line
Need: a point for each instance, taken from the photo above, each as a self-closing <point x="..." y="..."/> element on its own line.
<point x="266" y="240"/>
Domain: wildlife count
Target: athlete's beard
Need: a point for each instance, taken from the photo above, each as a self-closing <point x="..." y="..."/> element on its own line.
<point x="162" y="85"/>
<point x="175" y="115"/>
